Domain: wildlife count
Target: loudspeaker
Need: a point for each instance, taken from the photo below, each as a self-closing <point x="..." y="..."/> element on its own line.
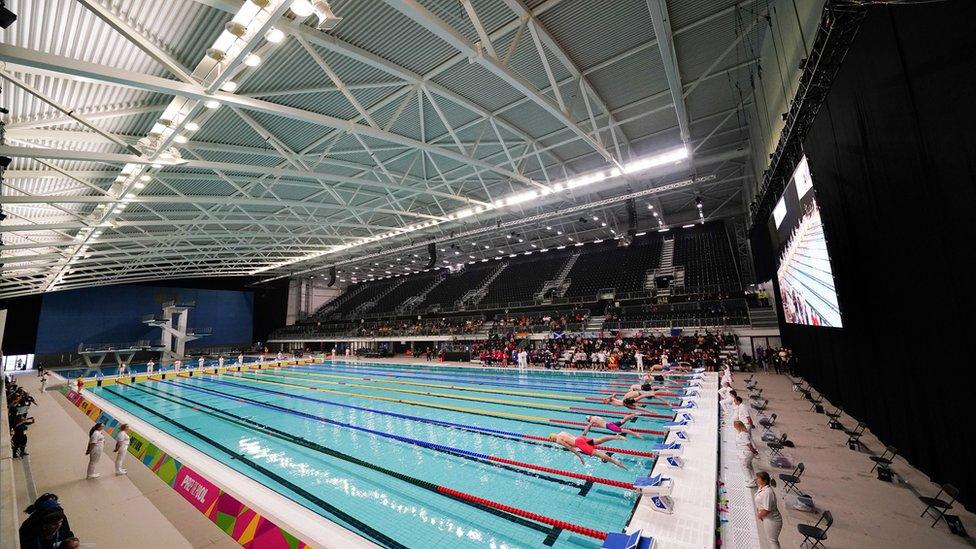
<point x="631" y="217"/>
<point x="332" y="276"/>
<point x="4" y="161"/>
<point x="432" y="252"/>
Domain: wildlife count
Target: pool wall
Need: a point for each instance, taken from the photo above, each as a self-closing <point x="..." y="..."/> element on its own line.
<point x="251" y="525"/>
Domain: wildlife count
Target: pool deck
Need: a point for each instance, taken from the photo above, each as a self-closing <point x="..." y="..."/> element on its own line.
<point x="692" y="525"/>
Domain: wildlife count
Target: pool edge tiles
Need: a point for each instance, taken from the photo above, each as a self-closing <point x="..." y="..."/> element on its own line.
<point x="275" y="523"/>
<point x="693" y="523"/>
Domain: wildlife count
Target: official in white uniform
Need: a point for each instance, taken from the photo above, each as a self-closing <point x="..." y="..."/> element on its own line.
<point x="746" y="451"/>
<point x="201" y="363"/>
<point x="96" y="443"/>
<point x="176" y="365"/>
<point x="240" y="359"/>
<point x="740" y="411"/>
<point x="121" y="448"/>
<point x="639" y="357"/>
<point x="523" y="359"/>
<point x="150" y="366"/>
<point x="767" y="511"/>
<point x="220" y="361"/>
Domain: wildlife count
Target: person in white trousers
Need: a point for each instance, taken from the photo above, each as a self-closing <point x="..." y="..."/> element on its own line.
<point x="766" y="510"/>
<point x="96" y="443"/>
<point x="43" y="382"/>
<point x="176" y="365"/>
<point x="202" y="363"/>
<point x="121" y="448"/>
<point x="240" y="359"/>
<point x="743" y="444"/>
<point x="220" y="361"/>
<point x="523" y="359"/>
<point x="150" y="366"/>
<point x="639" y="357"/>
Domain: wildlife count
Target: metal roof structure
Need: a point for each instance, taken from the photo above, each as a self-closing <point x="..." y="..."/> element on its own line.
<point x="184" y="138"/>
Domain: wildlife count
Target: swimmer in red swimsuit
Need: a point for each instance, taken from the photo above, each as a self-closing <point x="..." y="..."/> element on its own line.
<point x="586" y="446"/>
<point x="613" y="426"/>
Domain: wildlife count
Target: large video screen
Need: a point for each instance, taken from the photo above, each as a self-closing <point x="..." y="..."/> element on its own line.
<point x="806" y="281"/>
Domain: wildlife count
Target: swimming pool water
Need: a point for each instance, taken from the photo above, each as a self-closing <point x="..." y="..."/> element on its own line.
<point x="337" y="410"/>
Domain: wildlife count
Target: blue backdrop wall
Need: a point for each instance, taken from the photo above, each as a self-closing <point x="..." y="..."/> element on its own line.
<point x="114" y="314"/>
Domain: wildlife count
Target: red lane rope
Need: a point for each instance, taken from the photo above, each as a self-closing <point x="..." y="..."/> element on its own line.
<point x="601" y="399"/>
<point x="641" y="431"/>
<point x="639" y="453"/>
<point x="580" y="476"/>
<point x="589" y="532"/>
<point x="614" y="413"/>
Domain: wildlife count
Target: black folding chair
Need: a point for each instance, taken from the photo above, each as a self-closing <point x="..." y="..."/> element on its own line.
<point x="791" y="480"/>
<point x="767" y="423"/>
<point x="814" y="402"/>
<point x="939" y="505"/>
<point x="816" y="533"/>
<point x="760" y="406"/>
<point x="757" y="395"/>
<point x="776" y="447"/>
<point x="884" y="459"/>
<point x="854" y="435"/>
<point x="835" y="415"/>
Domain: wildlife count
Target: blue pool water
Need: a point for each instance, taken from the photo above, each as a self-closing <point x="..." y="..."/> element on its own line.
<point x="345" y="416"/>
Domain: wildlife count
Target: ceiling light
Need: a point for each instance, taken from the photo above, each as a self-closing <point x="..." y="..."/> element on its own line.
<point x="559" y="232"/>
<point x="301" y="8"/>
<point x="595" y="218"/>
<point x="252" y="60"/>
<point x="212" y="104"/>
<point x="275" y="36"/>
<point x="140" y="185"/>
<point x="192" y="126"/>
<point x="603" y="224"/>
<point x="181" y="139"/>
<point x="229" y="86"/>
<point x="157" y="166"/>
<point x="145" y="178"/>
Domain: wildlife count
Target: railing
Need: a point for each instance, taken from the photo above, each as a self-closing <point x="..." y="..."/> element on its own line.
<point x="199" y="331"/>
<point x="97" y="347"/>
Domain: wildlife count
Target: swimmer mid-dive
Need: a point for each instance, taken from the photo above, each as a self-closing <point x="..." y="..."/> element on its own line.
<point x="632" y="398"/>
<point x="587" y="446"/>
<point x="613" y="426"/>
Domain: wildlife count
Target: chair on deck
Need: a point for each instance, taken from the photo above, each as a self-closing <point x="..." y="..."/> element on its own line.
<point x="884" y="459"/>
<point x="776" y="447"/>
<point x="939" y="505"/>
<point x="791" y="480"/>
<point x="854" y="435"/>
<point x="814" y="533"/>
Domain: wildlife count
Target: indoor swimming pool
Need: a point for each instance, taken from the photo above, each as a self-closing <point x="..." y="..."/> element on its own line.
<point x="416" y="456"/>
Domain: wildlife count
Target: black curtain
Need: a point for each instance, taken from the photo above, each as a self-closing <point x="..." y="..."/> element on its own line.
<point x="893" y="159"/>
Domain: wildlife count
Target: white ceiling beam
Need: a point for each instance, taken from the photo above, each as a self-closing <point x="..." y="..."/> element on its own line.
<point x="665" y="42"/>
<point x="421" y="15"/>
<point x="30" y="59"/>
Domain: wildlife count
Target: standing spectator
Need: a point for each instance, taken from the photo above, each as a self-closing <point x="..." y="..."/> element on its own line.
<point x="44" y="377"/>
<point x="121" y="448"/>
<point x="18" y="440"/>
<point x="96" y="443"/>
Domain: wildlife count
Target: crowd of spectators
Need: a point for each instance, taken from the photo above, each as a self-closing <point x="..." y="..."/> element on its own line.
<point x="429" y="326"/>
<point x="779" y="359"/>
<point x="607" y="353"/>
<point x="554" y="321"/>
<point x="19" y="402"/>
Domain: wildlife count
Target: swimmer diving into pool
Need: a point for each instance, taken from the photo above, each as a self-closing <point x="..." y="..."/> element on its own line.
<point x="586" y="446"/>
<point x="613" y="426"/>
<point x="632" y="398"/>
